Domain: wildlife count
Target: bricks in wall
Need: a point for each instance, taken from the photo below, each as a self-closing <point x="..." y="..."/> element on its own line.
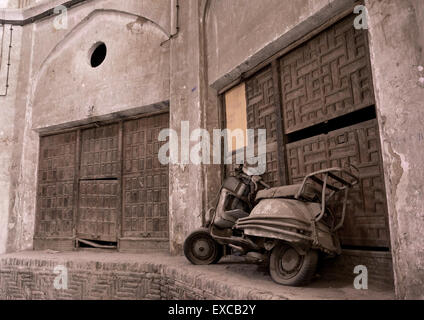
<point x="33" y="280"/>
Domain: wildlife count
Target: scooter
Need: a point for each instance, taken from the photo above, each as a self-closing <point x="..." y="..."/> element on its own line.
<point x="287" y="226"/>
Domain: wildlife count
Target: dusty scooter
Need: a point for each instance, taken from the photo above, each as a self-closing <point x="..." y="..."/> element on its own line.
<point x="287" y="226"/>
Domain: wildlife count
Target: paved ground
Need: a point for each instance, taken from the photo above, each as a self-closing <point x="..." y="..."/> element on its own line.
<point x="235" y="272"/>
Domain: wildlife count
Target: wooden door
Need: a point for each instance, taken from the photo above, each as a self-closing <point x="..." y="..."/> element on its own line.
<point x="55" y="195"/>
<point x="145" y="180"/>
<point x="99" y="184"/>
<point x="317" y="105"/>
<point x="366" y="214"/>
<point x="328" y="77"/>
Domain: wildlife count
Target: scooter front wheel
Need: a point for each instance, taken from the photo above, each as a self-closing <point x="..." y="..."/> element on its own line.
<point x="288" y="267"/>
<point x="201" y="249"/>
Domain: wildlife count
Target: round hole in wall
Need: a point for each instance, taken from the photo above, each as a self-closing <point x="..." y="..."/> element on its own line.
<point x="98" y="54"/>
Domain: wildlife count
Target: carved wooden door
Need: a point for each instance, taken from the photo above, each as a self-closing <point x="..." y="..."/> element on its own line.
<point x="56" y="173"/>
<point x="327" y="77"/>
<point x="145" y="180"/>
<point x="99" y="185"/>
<point x="366" y="215"/>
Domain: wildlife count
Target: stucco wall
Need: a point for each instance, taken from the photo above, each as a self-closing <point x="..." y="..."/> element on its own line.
<point x="7" y="119"/>
<point x="185" y="181"/>
<point x="18" y="3"/>
<point x="241" y="34"/>
<point x="135" y="72"/>
<point x="396" y="44"/>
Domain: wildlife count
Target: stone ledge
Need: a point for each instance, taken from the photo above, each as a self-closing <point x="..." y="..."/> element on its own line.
<point x="98" y="275"/>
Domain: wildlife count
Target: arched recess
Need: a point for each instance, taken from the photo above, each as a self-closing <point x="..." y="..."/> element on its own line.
<point x="135" y="72"/>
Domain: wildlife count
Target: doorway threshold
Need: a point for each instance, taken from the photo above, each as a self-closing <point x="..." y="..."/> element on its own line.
<point x="82" y="243"/>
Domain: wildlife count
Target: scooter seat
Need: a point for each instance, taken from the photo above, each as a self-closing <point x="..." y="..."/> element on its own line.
<point x="279" y="192"/>
<point x="310" y="193"/>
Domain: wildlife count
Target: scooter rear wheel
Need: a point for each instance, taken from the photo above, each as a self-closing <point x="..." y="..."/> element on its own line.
<point x="288" y="267"/>
<point x="201" y="249"/>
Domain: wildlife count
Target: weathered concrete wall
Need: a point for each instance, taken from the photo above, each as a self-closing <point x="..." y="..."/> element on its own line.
<point x="18" y="3"/>
<point x="57" y="80"/>
<point x="14" y="224"/>
<point x="193" y="188"/>
<point x="185" y="180"/>
<point x="241" y="34"/>
<point x="8" y="95"/>
<point x="135" y="72"/>
<point x="396" y="44"/>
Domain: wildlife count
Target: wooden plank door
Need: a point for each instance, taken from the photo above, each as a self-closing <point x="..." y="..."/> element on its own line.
<point x="145" y="180"/>
<point x="56" y="172"/>
<point x="99" y="186"/>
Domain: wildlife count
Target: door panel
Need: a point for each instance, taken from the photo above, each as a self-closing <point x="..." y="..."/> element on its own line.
<point x="99" y="198"/>
<point x="98" y="210"/>
<point x="326" y="77"/>
<point x="366" y="216"/>
<point x="56" y="170"/>
<point x="100" y="152"/>
<point x="146" y="205"/>
<point x="261" y="114"/>
<point x="145" y="180"/>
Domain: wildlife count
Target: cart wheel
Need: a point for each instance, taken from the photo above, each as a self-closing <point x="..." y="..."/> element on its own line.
<point x="201" y="249"/>
<point x="288" y="267"/>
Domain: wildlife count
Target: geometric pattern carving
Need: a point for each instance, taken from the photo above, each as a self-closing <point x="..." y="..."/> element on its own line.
<point x="261" y="114"/>
<point x="326" y="77"/>
<point x="366" y="216"/>
<point x="98" y="210"/>
<point x="56" y="171"/>
<point x="57" y="158"/>
<point x="55" y="209"/>
<point x="100" y="156"/>
<point x="261" y="104"/>
<point x="145" y="182"/>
